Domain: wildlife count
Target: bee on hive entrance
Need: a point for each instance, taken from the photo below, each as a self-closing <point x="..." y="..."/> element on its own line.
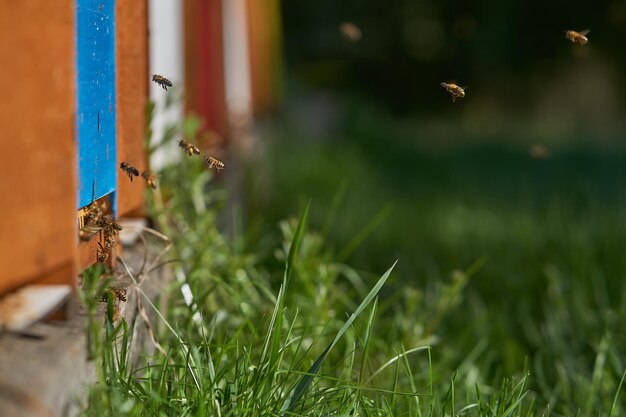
<point x="93" y="213"/>
<point x="130" y="170"/>
<point x="162" y="81"/>
<point x="577" y="37"/>
<point x="188" y="147"/>
<point x="104" y="251"/>
<point x="454" y="90"/>
<point x="150" y="179"/>
<point x="211" y="162"/>
<point x="109" y="226"/>
<point x="87" y="233"/>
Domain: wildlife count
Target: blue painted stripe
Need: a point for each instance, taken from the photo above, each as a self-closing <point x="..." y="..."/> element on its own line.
<point x="95" y="88"/>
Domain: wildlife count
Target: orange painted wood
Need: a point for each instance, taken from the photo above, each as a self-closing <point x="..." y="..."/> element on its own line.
<point x="264" y="40"/>
<point x="132" y="79"/>
<point x="204" y="67"/>
<point x="37" y="154"/>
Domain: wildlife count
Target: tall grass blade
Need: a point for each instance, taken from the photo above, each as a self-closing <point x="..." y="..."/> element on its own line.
<point x="308" y="378"/>
<point x="274" y="332"/>
<point x="619" y="388"/>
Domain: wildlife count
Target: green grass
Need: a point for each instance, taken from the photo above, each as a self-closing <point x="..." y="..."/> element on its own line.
<point x="507" y="298"/>
<point x="549" y="298"/>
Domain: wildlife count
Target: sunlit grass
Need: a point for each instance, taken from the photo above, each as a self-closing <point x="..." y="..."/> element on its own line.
<point x="507" y="299"/>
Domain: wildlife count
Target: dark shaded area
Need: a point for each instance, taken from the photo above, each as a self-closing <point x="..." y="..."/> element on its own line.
<point x="408" y="47"/>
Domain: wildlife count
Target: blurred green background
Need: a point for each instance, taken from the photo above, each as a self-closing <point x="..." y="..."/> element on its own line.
<point x="527" y="173"/>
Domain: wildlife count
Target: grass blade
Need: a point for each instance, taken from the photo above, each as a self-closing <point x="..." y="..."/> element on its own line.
<point x="307" y="379"/>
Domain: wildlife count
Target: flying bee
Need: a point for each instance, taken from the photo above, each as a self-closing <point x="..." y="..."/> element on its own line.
<point x="539" y="151"/>
<point x="211" y="162"/>
<point x="188" y="147"/>
<point x="150" y="179"/>
<point x="162" y="81"/>
<point x="130" y="170"/>
<point x="577" y="37"/>
<point x="350" y="31"/>
<point x="454" y="90"/>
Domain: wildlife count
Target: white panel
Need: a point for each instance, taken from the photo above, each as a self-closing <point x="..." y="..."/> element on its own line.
<point x="166" y="58"/>
<point x="236" y="62"/>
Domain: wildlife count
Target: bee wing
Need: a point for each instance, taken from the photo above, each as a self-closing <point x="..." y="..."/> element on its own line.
<point x="91" y="229"/>
<point x="464" y="87"/>
<point x="585" y="32"/>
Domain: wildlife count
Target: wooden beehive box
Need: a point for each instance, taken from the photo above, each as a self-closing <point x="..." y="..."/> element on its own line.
<point x="76" y="78"/>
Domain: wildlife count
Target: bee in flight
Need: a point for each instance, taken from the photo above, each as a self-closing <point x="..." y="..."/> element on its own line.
<point x="350" y="31"/>
<point x="150" y="179"/>
<point x="211" y="162"/>
<point x="454" y="90"/>
<point x="162" y="81"/>
<point x="577" y="37"/>
<point x="130" y="170"/>
<point x="188" y="147"/>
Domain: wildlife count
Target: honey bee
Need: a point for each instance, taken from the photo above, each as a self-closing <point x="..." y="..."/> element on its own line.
<point x="104" y="251"/>
<point x="211" y="162"/>
<point x="188" y="147"/>
<point x="93" y="213"/>
<point x="87" y="233"/>
<point x="539" y="151"/>
<point x="110" y="227"/>
<point x="130" y="170"/>
<point x="350" y="31"/>
<point x="577" y="37"/>
<point x="117" y="293"/>
<point x="162" y="81"/>
<point x="150" y="179"/>
<point x="454" y="90"/>
<point x="89" y="221"/>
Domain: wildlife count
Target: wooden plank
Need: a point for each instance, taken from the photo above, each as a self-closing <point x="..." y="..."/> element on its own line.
<point x="96" y="107"/>
<point x="204" y="65"/>
<point x="45" y="371"/>
<point x="131" y="24"/>
<point x="30" y="304"/>
<point x="37" y="153"/>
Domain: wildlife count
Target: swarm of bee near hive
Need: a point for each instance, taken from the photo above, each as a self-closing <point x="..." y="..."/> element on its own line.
<point x="92" y="221"/>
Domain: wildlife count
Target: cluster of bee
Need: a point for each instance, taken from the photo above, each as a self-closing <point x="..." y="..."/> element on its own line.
<point x="115" y="293"/>
<point x="110" y="230"/>
<point x="131" y="171"/>
<point x="579" y="38"/>
<point x="94" y="221"/>
<point x="191" y="149"/>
